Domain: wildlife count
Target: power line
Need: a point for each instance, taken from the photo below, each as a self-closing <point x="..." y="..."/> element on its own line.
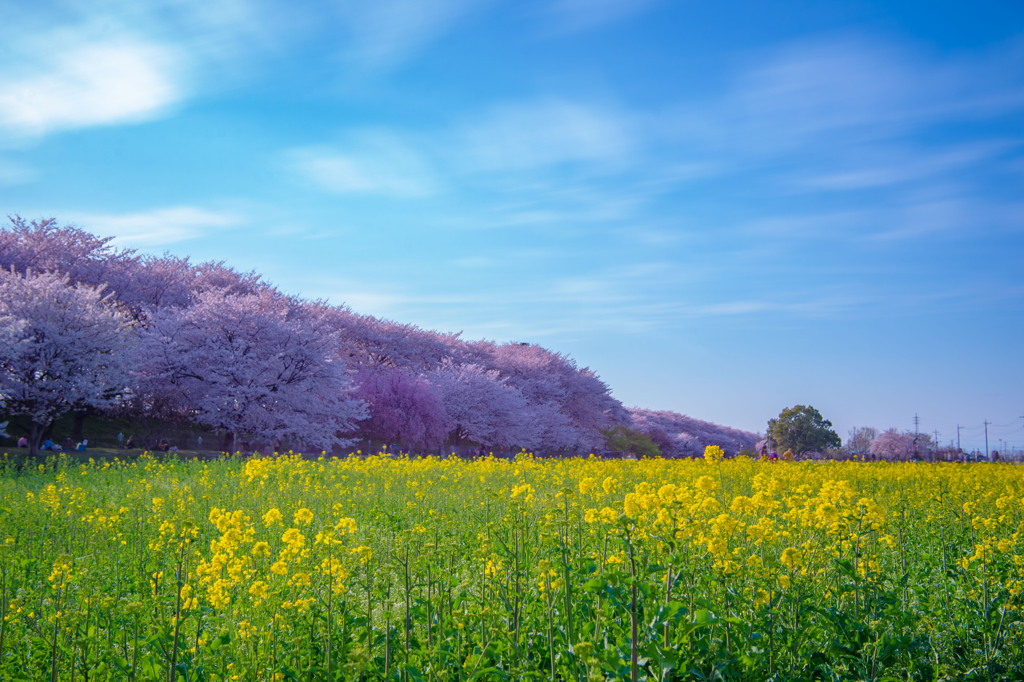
<point x="981" y="426"/>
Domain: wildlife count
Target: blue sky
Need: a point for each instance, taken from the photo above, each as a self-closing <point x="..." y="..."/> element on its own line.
<point x="723" y="208"/>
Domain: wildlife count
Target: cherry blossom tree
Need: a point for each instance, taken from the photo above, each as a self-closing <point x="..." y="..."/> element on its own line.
<point x="859" y="442"/>
<point x="157" y="282"/>
<point x="570" y="406"/>
<point x="680" y="436"/>
<point x="403" y="408"/>
<point x="895" y="445"/>
<point x="369" y="342"/>
<point x="136" y="281"/>
<point x="62" y="347"/>
<point x="47" y="246"/>
<point x="481" y="407"/>
<point x="250" y="364"/>
<point x="589" y="406"/>
<point x="217" y="276"/>
<point x="555" y="432"/>
<point x="892" y="445"/>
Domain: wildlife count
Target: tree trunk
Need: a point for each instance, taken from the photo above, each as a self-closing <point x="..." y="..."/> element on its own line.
<point x="78" y="426"/>
<point x="35" y="436"/>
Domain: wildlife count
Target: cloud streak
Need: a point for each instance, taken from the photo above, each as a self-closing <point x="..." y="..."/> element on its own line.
<point x="385" y="33"/>
<point x="528" y="135"/>
<point x="88" y="83"/>
<point x="158" y="227"/>
<point x="852" y="90"/>
<point x="370" y="162"/>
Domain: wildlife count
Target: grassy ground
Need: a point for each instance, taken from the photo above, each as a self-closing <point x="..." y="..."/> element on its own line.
<point x="19" y="456"/>
<point x="102" y="432"/>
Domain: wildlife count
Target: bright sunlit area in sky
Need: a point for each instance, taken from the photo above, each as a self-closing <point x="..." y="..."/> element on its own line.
<point x="724" y="209"/>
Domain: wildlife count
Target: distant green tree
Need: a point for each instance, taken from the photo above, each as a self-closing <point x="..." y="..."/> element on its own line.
<point x="626" y="440"/>
<point x="802" y="429"/>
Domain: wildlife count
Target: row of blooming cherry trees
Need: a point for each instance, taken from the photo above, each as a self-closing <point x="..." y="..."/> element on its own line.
<point x="88" y="326"/>
<point x="677" y="435"/>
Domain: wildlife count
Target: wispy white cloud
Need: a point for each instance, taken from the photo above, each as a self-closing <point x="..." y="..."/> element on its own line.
<point x="841" y="92"/>
<point x="549" y="132"/>
<point x="229" y="41"/>
<point x="227" y="29"/>
<point x="78" y="83"/>
<point x="825" y="86"/>
<point x="572" y="209"/>
<point x="611" y="297"/>
<point x="377" y="292"/>
<point x="898" y="165"/>
<point x="892" y="144"/>
<point x="806" y="225"/>
<point x="732" y="308"/>
<point x="159" y="227"/>
<point x="371" y="162"/>
<point x="944" y="211"/>
<point x="591" y="290"/>
<point x="795" y="303"/>
<point x="385" y="33"/>
<point x="68" y="65"/>
<point x="582" y="15"/>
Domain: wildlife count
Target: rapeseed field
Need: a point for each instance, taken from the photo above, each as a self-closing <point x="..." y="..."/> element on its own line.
<point x="382" y="568"/>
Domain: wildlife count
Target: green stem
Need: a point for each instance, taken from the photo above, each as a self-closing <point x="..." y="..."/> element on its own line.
<point x="53" y="645"/>
<point x="179" y="574"/>
<point x="3" y="607"/>
<point x="369" y="612"/>
<point x="633" y="646"/>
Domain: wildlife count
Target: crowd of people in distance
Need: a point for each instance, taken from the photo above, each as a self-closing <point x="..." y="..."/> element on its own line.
<point x="68" y="445"/>
<point x="49" y="445"/>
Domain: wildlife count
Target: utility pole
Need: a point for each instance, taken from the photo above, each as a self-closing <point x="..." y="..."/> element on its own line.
<point x="1014" y="449"/>
<point x="986" y="439"/>
<point x="958" y="448"/>
<point x="916" y="434"/>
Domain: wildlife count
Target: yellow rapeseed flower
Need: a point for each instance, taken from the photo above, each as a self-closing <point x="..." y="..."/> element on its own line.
<point x="791" y="557"/>
<point x="272" y="517"/>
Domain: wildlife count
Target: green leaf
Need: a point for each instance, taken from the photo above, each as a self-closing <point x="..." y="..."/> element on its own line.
<point x="149" y="668"/>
